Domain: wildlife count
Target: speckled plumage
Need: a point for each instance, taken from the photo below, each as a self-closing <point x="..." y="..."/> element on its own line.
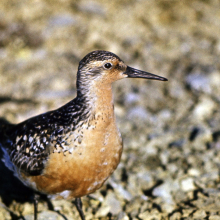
<point x="30" y="142"/>
<point x="70" y="152"/>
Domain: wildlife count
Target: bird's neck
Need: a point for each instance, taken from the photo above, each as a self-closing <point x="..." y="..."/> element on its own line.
<point x="99" y="99"/>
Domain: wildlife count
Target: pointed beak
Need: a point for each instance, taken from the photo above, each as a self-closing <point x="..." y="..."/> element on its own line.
<point x="134" y="73"/>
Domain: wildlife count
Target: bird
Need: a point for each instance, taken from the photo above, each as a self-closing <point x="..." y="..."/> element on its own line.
<point x="71" y="151"/>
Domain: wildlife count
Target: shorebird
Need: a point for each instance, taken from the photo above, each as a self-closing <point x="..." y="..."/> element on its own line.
<point x="71" y="151"/>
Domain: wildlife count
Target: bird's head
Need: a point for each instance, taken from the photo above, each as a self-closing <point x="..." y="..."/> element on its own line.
<point x="100" y="68"/>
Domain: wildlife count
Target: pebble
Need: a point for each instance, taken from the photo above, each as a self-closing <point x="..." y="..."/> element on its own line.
<point x="113" y="203"/>
<point x="187" y="184"/>
<point x="214" y="217"/>
<point x="194" y="172"/>
<point x="62" y="20"/>
<point x="138" y="113"/>
<point x="155" y="118"/>
<point x="149" y="216"/>
<point x="120" y="190"/>
<point x="176" y="215"/>
<point x="187" y="212"/>
<point x="49" y="215"/>
<point x="199" y="214"/>
<point x="204" y="108"/>
<point x="122" y="216"/>
<point x="92" y="8"/>
<point x="131" y="98"/>
<point x="199" y="81"/>
<point x="164" y="191"/>
<point x="102" y="211"/>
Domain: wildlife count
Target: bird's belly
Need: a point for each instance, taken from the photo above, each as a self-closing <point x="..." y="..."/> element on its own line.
<point x="86" y="168"/>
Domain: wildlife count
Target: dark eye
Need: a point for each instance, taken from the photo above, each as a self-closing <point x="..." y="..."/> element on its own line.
<point x="107" y="66"/>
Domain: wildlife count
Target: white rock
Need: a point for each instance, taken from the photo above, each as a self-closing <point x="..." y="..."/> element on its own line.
<point x="187" y="184"/>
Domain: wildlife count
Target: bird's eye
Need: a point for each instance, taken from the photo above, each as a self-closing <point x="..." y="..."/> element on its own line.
<point x="107" y="65"/>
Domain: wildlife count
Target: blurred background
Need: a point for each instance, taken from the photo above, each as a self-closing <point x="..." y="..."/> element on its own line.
<point x="171" y="161"/>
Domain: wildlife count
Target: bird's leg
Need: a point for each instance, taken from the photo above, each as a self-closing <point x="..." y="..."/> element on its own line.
<point x="49" y="204"/>
<point x="78" y="204"/>
<point x="36" y="198"/>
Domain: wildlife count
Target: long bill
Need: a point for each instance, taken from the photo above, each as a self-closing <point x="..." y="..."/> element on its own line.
<point x="135" y="73"/>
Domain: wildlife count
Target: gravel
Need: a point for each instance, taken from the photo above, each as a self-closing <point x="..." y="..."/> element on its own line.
<point x="170" y="164"/>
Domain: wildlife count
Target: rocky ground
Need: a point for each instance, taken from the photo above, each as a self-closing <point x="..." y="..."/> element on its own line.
<point x="171" y="161"/>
